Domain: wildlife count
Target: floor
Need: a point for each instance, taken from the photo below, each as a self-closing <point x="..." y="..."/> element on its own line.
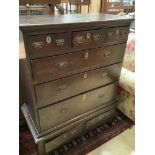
<point x="123" y="144"/>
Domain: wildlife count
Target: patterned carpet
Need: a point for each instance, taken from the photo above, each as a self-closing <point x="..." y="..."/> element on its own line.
<point x="81" y="145"/>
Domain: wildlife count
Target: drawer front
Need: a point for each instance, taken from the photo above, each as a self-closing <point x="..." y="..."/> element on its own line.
<point x="63" y="138"/>
<point x="88" y="38"/>
<point x="55" y="67"/>
<point x="73" y="107"/>
<point x="100" y="119"/>
<point x="116" y="35"/>
<point x="100" y="37"/>
<point x="60" y="89"/>
<point x="53" y="43"/>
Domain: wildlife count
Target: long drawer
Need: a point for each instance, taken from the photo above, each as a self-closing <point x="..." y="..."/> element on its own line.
<point x="50" y="92"/>
<point x="55" y="67"/>
<point x="75" y="106"/>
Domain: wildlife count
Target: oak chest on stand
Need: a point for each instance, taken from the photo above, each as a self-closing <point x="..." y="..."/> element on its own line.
<point x="69" y="71"/>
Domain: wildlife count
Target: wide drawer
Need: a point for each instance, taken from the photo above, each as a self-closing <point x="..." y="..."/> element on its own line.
<point x="75" y="106"/>
<point x="100" y="37"/>
<point x="54" y="43"/>
<point x="50" y="92"/>
<point x="55" y="67"/>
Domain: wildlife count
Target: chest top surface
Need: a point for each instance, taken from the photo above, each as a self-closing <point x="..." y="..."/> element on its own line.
<point x="28" y="22"/>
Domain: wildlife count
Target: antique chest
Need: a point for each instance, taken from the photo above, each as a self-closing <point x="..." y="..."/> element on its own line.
<point x="69" y="71"/>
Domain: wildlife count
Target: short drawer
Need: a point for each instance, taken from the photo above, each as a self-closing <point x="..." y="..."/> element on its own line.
<point x="100" y="37"/>
<point x="75" y="106"/>
<point x="50" y="92"/>
<point x="116" y="35"/>
<point x="88" y="38"/>
<point x="55" y="43"/>
<point x="100" y="119"/>
<point x="63" y="138"/>
<point x="55" y="67"/>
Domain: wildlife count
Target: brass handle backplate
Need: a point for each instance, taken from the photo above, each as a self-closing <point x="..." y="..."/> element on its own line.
<point x="60" y="42"/>
<point x="62" y="110"/>
<point x="107" y="53"/>
<point x="123" y="33"/>
<point x="38" y="44"/>
<point x="104" y="75"/>
<point x="79" y="39"/>
<point x="62" y="87"/>
<point x="96" y="37"/>
<point x="110" y="34"/>
<point x="63" y="64"/>
<point x="101" y="96"/>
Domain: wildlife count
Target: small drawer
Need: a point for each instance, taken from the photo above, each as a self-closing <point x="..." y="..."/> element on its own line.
<point x="56" y="67"/>
<point x="116" y="35"/>
<point x="89" y="38"/>
<point x="73" y="107"/>
<point x="55" y="43"/>
<point x="100" y="119"/>
<point x="50" y="92"/>
<point x="63" y="138"/>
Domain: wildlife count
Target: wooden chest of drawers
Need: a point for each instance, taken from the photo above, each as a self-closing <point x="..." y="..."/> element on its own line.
<point x="69" y="71"/>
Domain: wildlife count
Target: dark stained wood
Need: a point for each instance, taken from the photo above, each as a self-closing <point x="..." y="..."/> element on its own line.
<point x="83" y="103"/>
<point x="52" y="42"/>
<point x="62" y="80"/>
<point x="42" y="22"/>
<point x="26" y="81"/>
<point x="55" y="67"/>
<point x="100" y="37"/>
<point x="50" y="92"/>
<point x="66" y="42"/>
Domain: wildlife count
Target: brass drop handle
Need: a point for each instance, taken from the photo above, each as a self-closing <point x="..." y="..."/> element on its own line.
<point x="123" y="33"/>
<point x="107" y="53"/>
<point x="63" y="64"/>
<point x="110" y="34"/>
<point x="62" y="110"/>
<point x="103" y="75"/>
<point x="79" y="39"/>
<point x="101" y="96"/>
<point x="96" y="37"/>
<point x="62" y="87"/>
